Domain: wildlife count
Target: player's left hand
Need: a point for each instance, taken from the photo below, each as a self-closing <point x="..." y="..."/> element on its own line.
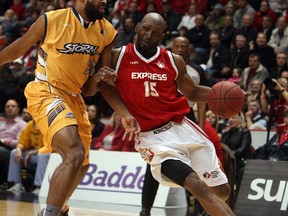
<point x="131" y="127"/>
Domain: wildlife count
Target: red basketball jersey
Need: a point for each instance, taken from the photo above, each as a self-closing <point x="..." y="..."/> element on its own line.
<point x="148" y="87"/>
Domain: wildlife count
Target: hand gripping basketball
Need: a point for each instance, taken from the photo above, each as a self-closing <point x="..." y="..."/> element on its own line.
<point x="226" y="99"/>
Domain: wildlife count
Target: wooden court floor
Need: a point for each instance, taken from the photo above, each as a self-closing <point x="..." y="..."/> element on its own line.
<point x="27" y="204"/>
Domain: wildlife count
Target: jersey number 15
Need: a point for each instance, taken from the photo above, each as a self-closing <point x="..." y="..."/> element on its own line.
<point x="150" y="89"/>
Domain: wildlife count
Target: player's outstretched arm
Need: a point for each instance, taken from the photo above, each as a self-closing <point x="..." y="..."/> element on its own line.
<point x="186" y="84"/>
<point x="34" y="34"/>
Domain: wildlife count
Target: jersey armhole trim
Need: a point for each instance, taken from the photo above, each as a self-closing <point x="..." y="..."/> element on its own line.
<point x="45" y="27"/>
<point x="119" y="58"/>
<point x="173" y="63"/>
<point x="112" y="40"/>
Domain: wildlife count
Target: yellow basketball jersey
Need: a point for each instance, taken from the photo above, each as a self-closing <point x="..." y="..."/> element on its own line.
<point x="71" y="48"/>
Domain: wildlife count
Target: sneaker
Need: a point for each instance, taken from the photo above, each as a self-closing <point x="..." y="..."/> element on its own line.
<point x="145" y="212"/>
<point x="65" y="213"/>
<point x="16" y="188"/>
<point x="36" y="191"/>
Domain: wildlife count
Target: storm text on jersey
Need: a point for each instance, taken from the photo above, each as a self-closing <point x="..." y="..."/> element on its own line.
<point x="81" y="48"/>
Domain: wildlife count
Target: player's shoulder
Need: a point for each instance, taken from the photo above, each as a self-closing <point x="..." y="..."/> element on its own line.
<point x="58" y="12"/>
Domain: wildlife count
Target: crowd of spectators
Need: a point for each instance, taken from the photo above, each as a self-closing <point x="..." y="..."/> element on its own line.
<point x="243" y="41"/>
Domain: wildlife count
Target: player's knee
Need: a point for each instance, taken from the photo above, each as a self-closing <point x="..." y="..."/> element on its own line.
<point x="76" y="154"/>
<point x="222" y="191"/>
<point x="196" y="186"/>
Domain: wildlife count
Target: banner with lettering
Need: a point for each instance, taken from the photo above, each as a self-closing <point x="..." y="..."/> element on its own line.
<point x="264" y="189"/>
<point x="113" y="177"/>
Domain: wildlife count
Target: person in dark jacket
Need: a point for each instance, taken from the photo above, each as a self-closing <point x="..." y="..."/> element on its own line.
<point x="238" y="139"/>
<point x="276" y="149"/>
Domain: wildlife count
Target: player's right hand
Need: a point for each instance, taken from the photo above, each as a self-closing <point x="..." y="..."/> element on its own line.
<point x="106" y="74"/>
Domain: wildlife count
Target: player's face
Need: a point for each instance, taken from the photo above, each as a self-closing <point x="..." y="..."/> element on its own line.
<point x="149" y="35"/>
<point x="181" y="47"/>
<point x="95" y="11"/>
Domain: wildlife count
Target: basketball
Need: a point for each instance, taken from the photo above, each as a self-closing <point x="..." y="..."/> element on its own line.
<point x="226" y="99"/>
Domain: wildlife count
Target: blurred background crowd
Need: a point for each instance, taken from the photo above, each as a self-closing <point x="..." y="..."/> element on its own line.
<point x="242" y="41"/>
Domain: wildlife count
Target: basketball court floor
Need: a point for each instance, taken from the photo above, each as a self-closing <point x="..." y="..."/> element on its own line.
<point x="27" y="204"/>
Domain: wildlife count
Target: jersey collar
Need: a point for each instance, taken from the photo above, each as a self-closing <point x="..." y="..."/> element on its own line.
<point x="143" y="58"/>
<point x="84" y="24"/>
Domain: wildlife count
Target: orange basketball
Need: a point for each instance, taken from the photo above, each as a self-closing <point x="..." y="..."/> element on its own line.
<point x="226" y="99"/>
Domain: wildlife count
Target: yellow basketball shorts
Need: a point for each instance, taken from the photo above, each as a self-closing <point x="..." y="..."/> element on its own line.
<point x="53" y="109"/>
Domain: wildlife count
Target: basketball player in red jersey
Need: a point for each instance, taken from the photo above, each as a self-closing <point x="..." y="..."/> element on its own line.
<point x="74" y="52"/>
<point x="179" y="152"/>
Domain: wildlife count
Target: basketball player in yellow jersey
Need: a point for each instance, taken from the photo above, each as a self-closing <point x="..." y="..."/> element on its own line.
<point x="73" y="58"/>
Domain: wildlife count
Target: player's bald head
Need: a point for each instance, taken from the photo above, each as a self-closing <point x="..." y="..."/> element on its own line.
<point x="181" y="39"/>
<point x="154" y="18"/>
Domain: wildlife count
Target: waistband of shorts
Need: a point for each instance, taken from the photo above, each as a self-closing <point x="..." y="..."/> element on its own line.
<point x="159" y="130"/>
<point x="37" y="79"/>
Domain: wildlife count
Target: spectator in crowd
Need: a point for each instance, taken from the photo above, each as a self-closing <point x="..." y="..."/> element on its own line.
<point x="111" y="138"/>
<point x="26" y="154"/>
<point x="144" y="4"/>
<point x="230" y="9"/>
<point x="180" y="8"/>
<point x="202" y="5"/>
<point x="25" y="115"/>
<point x="255" y="92"/>
<point x="239" y="54"/>
<point x="126" y="33"/>
<point x="236" y="76"/>
<point x="199" y="37"/>
<point x="266" y="27"/>
<point x="218" y="61"/>
<point x="3" y="39"/>
<point x="115" y="19"/>
<point x="264" y="10"/>
<point x="150" y="7"/>
<point x="188" y="20"/>
<point x="284" y="74"/>
<point x="243" y="8"/>
<point x="10" y="25"/>
<point x="255" y="71"/>
<point x="277" y="5"/>
<point x="18" y="8"/>
<point x="264" y="51"/>
<point x="255" y="119"/>
<point x="227" y="32"/>
<point x="171" y="17"/>
<point x="97" y="126"/>
<point x="281" y="64"/>
<point x="278" y="97"/>
<point x="276" y="149"/>
<point x="215" y="20"/>
<point x="238" y="139"/>
<point x="213" y="120"/>
<point x="132" y="12"/>
<point x="279" y="36"/>
<point x="247" y="29"/>
<point x="10" y="131"/>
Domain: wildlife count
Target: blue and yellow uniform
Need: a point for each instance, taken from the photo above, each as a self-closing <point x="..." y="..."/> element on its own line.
<point x="67" y="56"/>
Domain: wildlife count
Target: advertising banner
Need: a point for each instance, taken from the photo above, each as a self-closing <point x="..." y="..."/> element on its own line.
<point x="264" y="189"/>
<point x="114" y="177"/>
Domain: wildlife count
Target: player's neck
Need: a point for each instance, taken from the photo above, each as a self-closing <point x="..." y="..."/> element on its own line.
<point x="146" y="53"/>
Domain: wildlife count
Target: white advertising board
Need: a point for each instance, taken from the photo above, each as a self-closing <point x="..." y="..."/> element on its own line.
<point x="115" y="177"/>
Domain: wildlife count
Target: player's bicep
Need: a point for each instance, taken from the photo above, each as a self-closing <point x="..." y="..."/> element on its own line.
<point x="184" y="82"/>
